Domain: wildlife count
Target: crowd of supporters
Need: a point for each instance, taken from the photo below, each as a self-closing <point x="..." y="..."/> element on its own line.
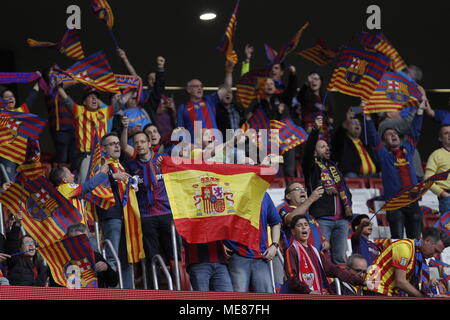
<point x="304" y="239"/>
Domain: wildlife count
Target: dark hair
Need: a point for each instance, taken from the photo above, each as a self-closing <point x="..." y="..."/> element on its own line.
<point x="437" y="235"/>
<point x="148" y="125"/>
<point x="89" y="92"/>
<point x="295" y="220"/>
<point x="141" y="132"/>
<point x="288" y="186"/>
<point x="443" y="126"/>
<point x="57" y="175"/>
<point x="111" y="134"/>
<point x="352" y="258"/>
<point x="81" y="227"/>
<point x="357" y="220"/>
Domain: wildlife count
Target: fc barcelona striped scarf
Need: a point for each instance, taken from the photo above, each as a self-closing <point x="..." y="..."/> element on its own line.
<point x="131" y="216"/>
<point x="332" y="179"/>
<point x="18" y="77"/>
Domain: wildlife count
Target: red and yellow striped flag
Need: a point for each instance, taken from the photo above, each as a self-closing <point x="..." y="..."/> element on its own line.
<point x="103" y="11"/>
<point x="219" y="202"/>
<point x="131" y="217"/>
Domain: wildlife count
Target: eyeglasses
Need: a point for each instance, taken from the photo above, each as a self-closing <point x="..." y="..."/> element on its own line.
<point x="28" y="243"/>
<point x="112" y="144"/>
<point x="295" y="189"/>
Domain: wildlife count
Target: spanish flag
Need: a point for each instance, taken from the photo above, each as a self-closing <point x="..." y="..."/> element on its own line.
<point x="216" y="202"/>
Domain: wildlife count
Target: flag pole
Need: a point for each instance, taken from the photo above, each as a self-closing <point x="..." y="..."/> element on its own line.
<point x="116" y="44"/>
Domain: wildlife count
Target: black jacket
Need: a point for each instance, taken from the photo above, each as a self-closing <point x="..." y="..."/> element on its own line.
<point x="345" y="153"/>
<point x="223" y="118"/>
<point x="20" y="269"/>
<point x="325" y="206"/>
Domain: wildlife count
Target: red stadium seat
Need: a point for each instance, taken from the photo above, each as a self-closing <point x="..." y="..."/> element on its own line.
<point x="376" y="183"/>
<point x="278" y="183"/>
<point x="356" y="183"/>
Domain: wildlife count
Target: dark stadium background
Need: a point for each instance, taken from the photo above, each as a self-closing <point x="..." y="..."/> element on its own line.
<point x="171" y="28"/>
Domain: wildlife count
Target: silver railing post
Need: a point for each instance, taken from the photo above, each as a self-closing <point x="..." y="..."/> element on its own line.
<point x="6" y="178"/>
<point x="97" y="236"/>
<point x="272" y="276"/>
<point x="2" y="224"/>
<point x="338" y="286"/>
<point x="280" y="256"/>
<point x="144" y="273"/>
<point x="157" y="258"/>
<point x="175" y="256"/>
<point x="118" y="265"/>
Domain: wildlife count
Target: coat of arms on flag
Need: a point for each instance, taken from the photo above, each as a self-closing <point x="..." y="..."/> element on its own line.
<point x="356" y="71"/>
<point x="211" y="197"/>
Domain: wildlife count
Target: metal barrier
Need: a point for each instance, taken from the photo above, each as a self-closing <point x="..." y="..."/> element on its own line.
<point x="175" y="256"/>
<point x="118" y="264"/>
<point x="157" y="258"/>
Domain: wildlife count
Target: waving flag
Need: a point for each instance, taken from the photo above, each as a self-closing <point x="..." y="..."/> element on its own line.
<point x="71" y="262"/>
<point x="32" y="167"/>
<point x="94" y="71"/>
<point x="248" y="85"/>
<point x="413" y="193"/>
<point x="102" y="10"/>
<point x="16" y="129"/>
<point x="394" y="92"/>
<point x="70" y="45"/>
<point x="211" y="203"/>
<point x="271" y="54"/>
<point x="227" y="42"/>
<point x="290" y="46"/>
<point x="46" y="213"/>
<point x="291" y="135"/>
<point x="358" y="72"/>
<point x="320" y="54"/>
<point x="380" y="43"/>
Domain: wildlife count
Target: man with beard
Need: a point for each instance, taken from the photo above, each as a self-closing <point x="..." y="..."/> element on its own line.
<point x="335" y="206"/>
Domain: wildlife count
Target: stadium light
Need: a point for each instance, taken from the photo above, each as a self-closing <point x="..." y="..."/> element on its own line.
<point x="207" y="16"/>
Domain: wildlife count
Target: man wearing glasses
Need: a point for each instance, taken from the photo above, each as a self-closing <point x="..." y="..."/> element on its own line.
<point x="356" y="264"/>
